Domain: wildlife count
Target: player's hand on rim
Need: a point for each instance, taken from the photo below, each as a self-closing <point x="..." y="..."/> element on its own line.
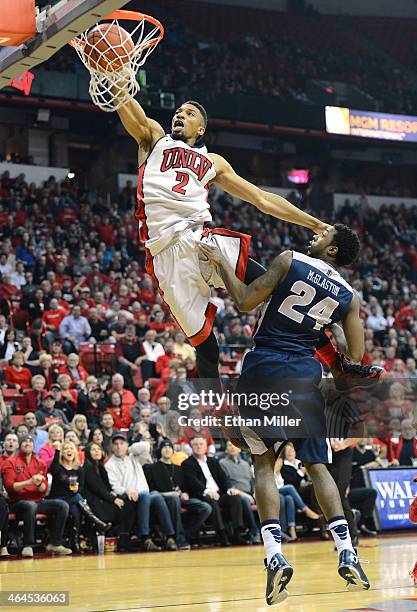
<point x="212" y="253"/>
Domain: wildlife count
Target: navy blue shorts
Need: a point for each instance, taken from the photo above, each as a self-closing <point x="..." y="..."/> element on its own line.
<point x="279" y="401"/>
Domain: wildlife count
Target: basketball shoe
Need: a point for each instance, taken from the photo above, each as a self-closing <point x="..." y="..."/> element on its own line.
<point x="279" y="573"/>
<point x="413" y="574"/>
<point x="349" y="376"/>
<point x="350" y="569"/>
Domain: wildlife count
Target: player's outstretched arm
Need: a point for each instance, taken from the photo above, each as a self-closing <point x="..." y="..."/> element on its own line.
<point x="354" y="332"/>
<point x="269" y="203"/>
<point x="144" y="130"/>
<point x="247" y="297"/>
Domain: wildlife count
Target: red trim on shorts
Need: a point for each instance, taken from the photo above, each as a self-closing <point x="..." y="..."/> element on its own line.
<point x="245" y="239"/>
<point x="140" y="209"/>
<point x="205" y="331"/>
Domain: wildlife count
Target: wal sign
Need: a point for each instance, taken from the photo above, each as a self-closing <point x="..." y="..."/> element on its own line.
<point x="396" y="490"/>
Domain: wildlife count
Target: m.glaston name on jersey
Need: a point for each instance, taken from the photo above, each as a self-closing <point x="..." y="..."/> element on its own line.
<point x="322" y="281"/>
<point x="179" y="157"/>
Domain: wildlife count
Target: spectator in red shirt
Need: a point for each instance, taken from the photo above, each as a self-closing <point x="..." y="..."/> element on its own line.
<point x="59" y="359"/>
<point x="15" y="374"/>
<point x="7" y="289"/>
<point x="45" y="366"/>
<point x="32" y="399"/>
<point x="24" y="478"/>
<point x="406" y="315"/>
<point x="67" y="393"/>
<point x="128" y="399"/>
<point x="52" y="319"/>
<point x="163" y="361"/>
<point x="121" y="414"/>
<point x="74" y="370"/>
<point x="10" y="447"/>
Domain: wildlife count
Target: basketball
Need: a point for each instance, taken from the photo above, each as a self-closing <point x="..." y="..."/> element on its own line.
<point x="108" y="47"/>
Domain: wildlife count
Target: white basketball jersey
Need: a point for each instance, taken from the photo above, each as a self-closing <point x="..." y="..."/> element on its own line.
<point x="172" y="191"/>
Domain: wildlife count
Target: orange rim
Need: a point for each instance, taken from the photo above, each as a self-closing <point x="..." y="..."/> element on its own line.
<point x="129" y="16"/>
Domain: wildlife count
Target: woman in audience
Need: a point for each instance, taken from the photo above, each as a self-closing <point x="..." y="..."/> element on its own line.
<point x="293" y="473"/>
<point x="96" y="436"/>
<point x="55" y="440"/>
<point x="15" y="374"/>
<point x="68" y="485"/>
<point x="72" y="436"/>
<point x="68" y="394"/>
<point x="292" y="500"/>
<point x="103" y="501"/>
<point x="45" y="368"/>
<point x="121" y="414"/>
<point x="80" y="426"/>
<point x="10" y="345"/>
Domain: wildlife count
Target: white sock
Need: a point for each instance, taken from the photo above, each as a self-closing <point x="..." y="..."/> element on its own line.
<point x="340" y="531"/>
<point x="271" y="536"/>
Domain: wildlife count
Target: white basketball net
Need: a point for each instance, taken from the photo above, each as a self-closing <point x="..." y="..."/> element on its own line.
<point x="113" y="89"/>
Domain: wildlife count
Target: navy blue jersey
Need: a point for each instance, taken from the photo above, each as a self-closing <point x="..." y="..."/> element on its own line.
<point x="312" y="295"/>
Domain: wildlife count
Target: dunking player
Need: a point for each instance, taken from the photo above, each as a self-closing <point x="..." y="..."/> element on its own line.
<point x="302" y="294"/>
<point x="175" y="171"/>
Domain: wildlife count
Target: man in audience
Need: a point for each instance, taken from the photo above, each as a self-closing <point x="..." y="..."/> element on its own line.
<point x="163" y="413"/>
<point x="24" y="478"/>
<point x="403" y="450"/>
<point x="144" y="401"/>
<point x="181" y="348"/>
<point x="128" y="481"/>
<point x="152" y="350"/>
<point x="361" y="497"/>
<point x="180" y="385"/>
<point x="205" y="479"/>
<point x="118" y="385"/>
<point x="48" y="414"/>
<point x="10" y="448"/>
<point x="39" y="436"/>
<point x="74" y="329"/>
<point x="129" y="353"/>
<point x="241" y="479"/>
<point x="168" y="479"/>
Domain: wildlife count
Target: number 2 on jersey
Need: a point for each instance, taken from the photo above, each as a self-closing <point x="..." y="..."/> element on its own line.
<point x="182" y="178"/>
<point x="305" y="294"/>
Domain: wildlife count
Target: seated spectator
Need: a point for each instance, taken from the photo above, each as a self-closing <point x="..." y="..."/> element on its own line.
<point x="24" y="478"/>
<point x="99" y="327"/>
<point x="45" y="369"/>
<point x="288" y="490"/>
<point x="121" y="415"/>
<point x="183" y="349"/>
<point x="38" y="338"/>
<point x="68" y="394"/>
<point x="59" y="359"/>
<point x="54" y="441"/>
<point x="402" y="450"/>
<point x="64" y="402"/>
<point x="164" y="411"/>
<point x="32" y="399"/>
<point x="195" y="430"/>
<point x="144" y="398"/>
<point x="206" y="480"/>
<point x="108" y="429"/>
<point x="168" y="479"/>
<point x="104" y="502"/>
<point x="164" y="360"/>
<point x="396" y="406"/>
<point x="52" y="319"/>
<point x="48" y="414"/>
<point x="241" y="479"/>
<point x="128" y="399"/>
<point x="16" y="375"/>
<point x="68" y="485"/>
<point x="74" y="370"/>
<point x="128" y="481"/>
<point x="96" y="436"/>
<point x="72" y="436"/>
<point x="293" y="472"/>
<point x="80" y="426"/>
<point x="151" y="350"/>
<point x="39" y="436"/>
<point x="361" y="497"/>
<point x="10" y="345"/>
<point x="10" y="447"/>
<point x="92" y="403"/>
<point x="179" y="386"/>
<point x="73" y="330"/>
<point x="129" y="353"/>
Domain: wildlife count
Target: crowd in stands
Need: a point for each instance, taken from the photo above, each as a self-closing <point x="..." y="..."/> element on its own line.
<point x="100" y="443"/>
<point x="266" y="53"/>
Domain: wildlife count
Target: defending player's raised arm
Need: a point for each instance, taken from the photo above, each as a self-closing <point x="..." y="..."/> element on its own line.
<point x="247" y="297"/>
<point x="135" y="121"/>
<point x="354" y="332"/>
<point x="269" y="203"/>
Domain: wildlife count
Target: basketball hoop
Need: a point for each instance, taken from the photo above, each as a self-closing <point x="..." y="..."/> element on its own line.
<point x="113" y="69"/>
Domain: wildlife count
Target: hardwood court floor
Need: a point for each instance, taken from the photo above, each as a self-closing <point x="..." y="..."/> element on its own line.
<point x="219" y="580"/>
